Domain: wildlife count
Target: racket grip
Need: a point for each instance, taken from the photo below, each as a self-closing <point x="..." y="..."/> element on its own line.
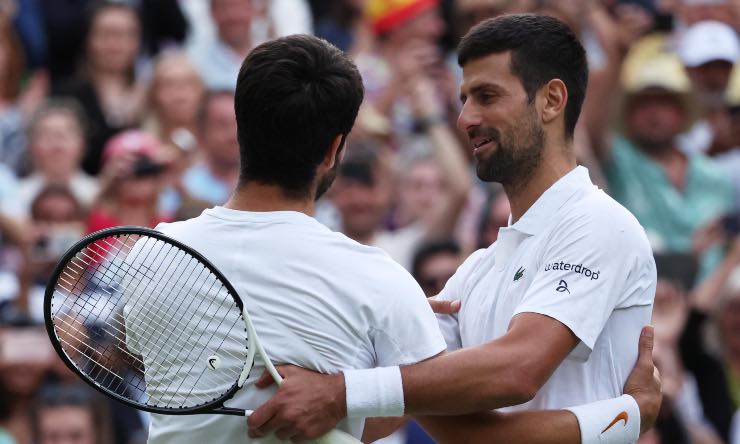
<point x="338" y="437"/>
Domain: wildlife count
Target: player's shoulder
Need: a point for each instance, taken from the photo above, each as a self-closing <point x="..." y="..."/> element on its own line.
<point x="603" y="213"/>
<point x="600" y="218"/>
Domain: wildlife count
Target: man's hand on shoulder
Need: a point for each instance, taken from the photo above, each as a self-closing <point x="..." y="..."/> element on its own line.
<point x="306" y="406"/>
<point x="643" y="383"/>
<point x="444" y="307"/>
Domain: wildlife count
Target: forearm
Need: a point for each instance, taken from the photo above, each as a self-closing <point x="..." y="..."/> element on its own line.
<point x="467" y="381"/>
<point x="549" y="427"/>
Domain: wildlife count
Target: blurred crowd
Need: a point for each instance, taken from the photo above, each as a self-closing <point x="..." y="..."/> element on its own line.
<point x="121" y="113"/>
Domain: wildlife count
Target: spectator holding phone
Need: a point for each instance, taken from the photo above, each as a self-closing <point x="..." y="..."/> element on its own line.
<point x="133" y="179"/>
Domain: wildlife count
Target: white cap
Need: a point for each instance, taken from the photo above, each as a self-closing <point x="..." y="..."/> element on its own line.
<point x="707" y="41"/>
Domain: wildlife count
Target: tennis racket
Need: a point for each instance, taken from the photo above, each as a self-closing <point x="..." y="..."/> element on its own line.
<point x="151" y="323"/>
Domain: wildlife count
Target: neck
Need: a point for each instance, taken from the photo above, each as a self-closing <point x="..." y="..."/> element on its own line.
<point x="523" y="195"/>
<point x="258" y="197"/>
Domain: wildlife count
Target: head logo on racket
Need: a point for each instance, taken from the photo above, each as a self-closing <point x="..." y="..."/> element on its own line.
<point x="214" y="362"/>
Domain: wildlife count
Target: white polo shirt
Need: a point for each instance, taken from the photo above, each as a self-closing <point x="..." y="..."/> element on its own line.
<point x="576" y="256"/>
<point x="304" y="286"/>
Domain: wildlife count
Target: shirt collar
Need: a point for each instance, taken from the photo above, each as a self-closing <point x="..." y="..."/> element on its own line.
<point x="539" y="215"/>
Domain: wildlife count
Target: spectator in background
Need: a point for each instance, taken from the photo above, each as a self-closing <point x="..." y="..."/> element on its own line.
<point x="24" y="362"/>
<point x="107" y="87"/>
<point x="339" y="21"/>
<point x="57" y="144"/>
<point x="729" y="159"/>
<point x="495" y="216"/>
<point x="175" y="94"/>
<point x="407" y="58"/>
<point x="709" y="51"/>
<point x="434" y="263"/>
<point x="214" y="174"/>
<point x="71" y="414"/>
<point x="220" y="59"/>
<point x="57" y="222"/>
<point x="672" y="195"/>
<point x="12" y="137"/>
<point x="694" y="368"/>
<point x="133" y="179"/>
<point x="362" y="195"/>
<point x="683" y="417"/>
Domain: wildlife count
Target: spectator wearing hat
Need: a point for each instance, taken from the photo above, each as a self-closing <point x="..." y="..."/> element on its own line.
<point x="709" y="51"/>
<point x="672" y="194"/>
<point x="133" y="179"/>
<point x="57" y="145"/>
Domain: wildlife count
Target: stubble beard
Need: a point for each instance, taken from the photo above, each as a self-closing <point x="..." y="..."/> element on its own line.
<point x="518" y="154"/>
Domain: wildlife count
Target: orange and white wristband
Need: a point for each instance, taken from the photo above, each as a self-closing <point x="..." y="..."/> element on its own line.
<point x="612" y="421"/>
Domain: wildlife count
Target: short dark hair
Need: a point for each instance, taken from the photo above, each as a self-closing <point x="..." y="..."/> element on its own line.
<point x="294" y="95"/>
<point x="542" y="48"/>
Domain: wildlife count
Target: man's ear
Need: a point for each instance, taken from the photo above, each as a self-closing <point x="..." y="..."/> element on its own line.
<point x="554" y="98"/>
<point x="331" y="156"/>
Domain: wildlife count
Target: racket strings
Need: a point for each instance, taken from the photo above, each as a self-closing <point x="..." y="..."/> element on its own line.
<point x="156" y="320"/>
<point x="140" y="317"/>
<point x="152" y="317"/>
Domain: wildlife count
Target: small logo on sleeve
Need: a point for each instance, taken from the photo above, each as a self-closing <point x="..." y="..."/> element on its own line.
<point x="519" y="273"/>
<point x="575" y="268"/>
<point x="622" y="416"/>
<point x="562" y="287"/>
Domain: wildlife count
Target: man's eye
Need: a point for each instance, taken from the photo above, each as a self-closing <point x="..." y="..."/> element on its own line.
<point x="486" y="98"/>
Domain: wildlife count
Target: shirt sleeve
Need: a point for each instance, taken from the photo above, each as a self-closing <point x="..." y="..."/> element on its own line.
<point x="407" y="332"/>
<point x="590" y="267"/>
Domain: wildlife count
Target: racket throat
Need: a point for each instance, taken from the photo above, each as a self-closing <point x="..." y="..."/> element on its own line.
<point x="255" y="346"/>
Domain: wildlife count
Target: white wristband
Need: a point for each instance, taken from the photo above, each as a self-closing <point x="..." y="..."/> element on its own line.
<point x="374" y="392"/>
<point x="612" y="421"/>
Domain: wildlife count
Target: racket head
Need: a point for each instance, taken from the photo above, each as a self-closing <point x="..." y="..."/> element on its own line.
<point x="99" y="318"/>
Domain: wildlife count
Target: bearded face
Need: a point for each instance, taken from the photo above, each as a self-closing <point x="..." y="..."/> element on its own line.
<point x="516" y="153"/>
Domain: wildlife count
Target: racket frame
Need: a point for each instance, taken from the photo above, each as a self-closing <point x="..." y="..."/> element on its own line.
<point x="214" y="406"/>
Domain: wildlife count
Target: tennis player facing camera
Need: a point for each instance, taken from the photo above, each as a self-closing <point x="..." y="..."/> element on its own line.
<point x="318" y="299"/>
<point x="551" y="312"/>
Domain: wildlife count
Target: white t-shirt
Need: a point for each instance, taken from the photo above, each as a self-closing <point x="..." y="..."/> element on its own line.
<point x="300" y="281"/>
<point x="576" y="256"/>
